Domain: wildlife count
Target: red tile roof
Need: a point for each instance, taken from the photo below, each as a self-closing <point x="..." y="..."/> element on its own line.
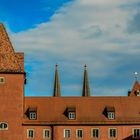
<point x="89" y="110"/>
<point x="9" y="60"/>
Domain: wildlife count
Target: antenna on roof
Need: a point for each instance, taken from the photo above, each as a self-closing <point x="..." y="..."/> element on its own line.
<point x="136" y="75"/>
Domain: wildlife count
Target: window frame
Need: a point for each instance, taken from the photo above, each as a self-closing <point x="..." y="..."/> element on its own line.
<point x="77" y="133"/>
<point x="109" y="136"/>
<point x="2" y="82"/>
<point x="44" y="137"/>
<point x="4" y="128"/>
<point x="133" y="133"/>
<point x="28" y="133"/>
<point x="111" y="115"/>
<point x="71" y="115"/>
<point x="31" y="116"/>
<point x="64" y="133"/>
<point x="98" y="133"/>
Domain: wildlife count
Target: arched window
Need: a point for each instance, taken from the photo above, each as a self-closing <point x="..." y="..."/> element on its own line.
<point x="3" y="126"/>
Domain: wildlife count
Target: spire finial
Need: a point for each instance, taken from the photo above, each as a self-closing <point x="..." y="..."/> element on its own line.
<point x="136" y="75"/>
<point x="86" y="89"/>
<point x="57" y="91"/>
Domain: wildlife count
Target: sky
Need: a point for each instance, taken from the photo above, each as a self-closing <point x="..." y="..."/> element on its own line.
<point x="104" y="34"/>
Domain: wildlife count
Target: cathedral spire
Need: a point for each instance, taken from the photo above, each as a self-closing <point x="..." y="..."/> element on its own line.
<point x="57" y="90"/>
<point x="86" y="89"/>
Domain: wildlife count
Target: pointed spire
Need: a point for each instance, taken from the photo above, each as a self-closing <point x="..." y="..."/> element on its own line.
<point x="10" y="61"/>
<point x="57" y="90"/>
<point x="5" y="43"/>
<point x="135" y="89"/>
<point x="86" y="89"/>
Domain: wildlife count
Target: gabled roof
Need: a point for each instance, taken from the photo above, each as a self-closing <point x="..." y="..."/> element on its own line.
<point x="9" y="60"/>
<point x="136" y="87"/>
<point x="89" y="110"/>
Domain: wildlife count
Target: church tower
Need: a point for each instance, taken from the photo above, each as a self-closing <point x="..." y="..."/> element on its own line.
<point x="12" y="77"/>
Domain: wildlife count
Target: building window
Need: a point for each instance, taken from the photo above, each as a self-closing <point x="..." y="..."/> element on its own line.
<point x="112" y="132"/>
<point x="67" y="133"/>
<point x="2" y="80"/>
<point x="136" y="133"/>
<point x="137" y="92"/>
<point x="71" y="115"/>
<point x="30" y="133"/>
<point x="79" y="133"/>
<point x="95" y="133"/>
<point x="46" y="133"/>
<point x="3" y="126"/>
<point x="32" y="115"/>
<point x="111" y="115"/>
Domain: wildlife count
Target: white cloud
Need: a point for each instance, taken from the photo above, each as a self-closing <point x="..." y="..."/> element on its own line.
<point x="85" y="31"/>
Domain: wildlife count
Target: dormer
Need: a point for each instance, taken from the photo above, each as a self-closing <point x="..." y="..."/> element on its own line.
<point x="31" y="113"/>
<point x="70" y="113"/>
<point x="109" y="112"/>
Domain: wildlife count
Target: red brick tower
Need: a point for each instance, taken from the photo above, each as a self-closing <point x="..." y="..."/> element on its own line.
<point x="12" y="78"/>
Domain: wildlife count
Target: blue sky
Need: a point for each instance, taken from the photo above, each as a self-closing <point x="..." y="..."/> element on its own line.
<point x="25" y="14"/>
<point x="104" y="34"/>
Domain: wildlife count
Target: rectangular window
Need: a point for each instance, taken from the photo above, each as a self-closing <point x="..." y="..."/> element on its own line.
<point x="67" y="133"/>
<point x="71" y="115"/>
<point x="111" y="115"/>
<point x="30" y="133"/>
<point x="46" y="133"/>
<point x="112" y="132"/>
<point x="32" y="116"/>
<point x="136" y="133"/>
<point x="95" y="133"/>
<point x="2" y="80"/>
<point x="79" y="133"/>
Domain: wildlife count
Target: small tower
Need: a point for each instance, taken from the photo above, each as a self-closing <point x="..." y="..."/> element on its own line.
<point x="86" y="89"/>
<point x="135" y="90"/>
<point x="57" y="90"/>
<point x="136" y="87"/>
<point x="12" y="78"/>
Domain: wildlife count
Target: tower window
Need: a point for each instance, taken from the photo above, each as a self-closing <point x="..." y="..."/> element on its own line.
<point x="67" y="133"/>
<point x="2" y="80"/>
<point x="30" y="133"/>
<point x="46" y="133"/>
<point x="136" y="133"/>
<point x="79" y="133"/>
<point x="3" y="126"/>
<point x="137" y="92"/>
<point x="95" y="133"/>
<point x="112" y="132"/>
